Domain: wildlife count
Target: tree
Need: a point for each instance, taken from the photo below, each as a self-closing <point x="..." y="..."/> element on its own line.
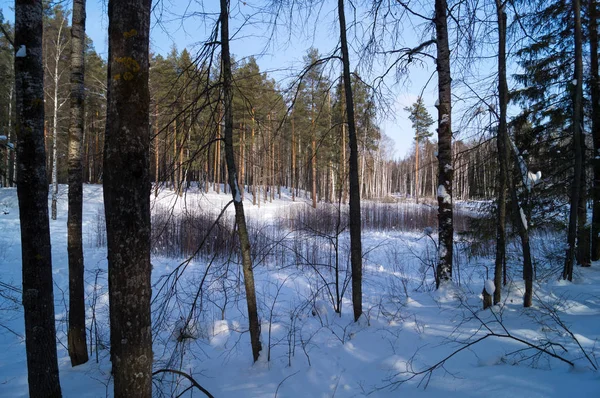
<point x="55" y="61"/>
<point x="445" y="171"/>
<point x="355" y="226"/>
<point x="32" y="191"/>
<point x="127" y="196"/>
<point x="421" y="120"/>
<point x="595" y="104"/>
<point x="240" y="218"/>
<point x="502" y="155"/>
<point x="577" y="143"/>
<point x="76" y="334"/>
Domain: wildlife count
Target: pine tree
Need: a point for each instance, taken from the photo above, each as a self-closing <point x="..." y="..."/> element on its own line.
<point x="421" y="120"/>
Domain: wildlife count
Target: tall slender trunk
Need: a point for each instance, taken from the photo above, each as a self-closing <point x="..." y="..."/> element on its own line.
<point x="355" y="226"/>
<point x="445" y="171"/>
<point x="32" y="191"/>
<point x="502" y="155"/>
<point x="127" y="187"/>
<point x="156" y="152"/>
<point x="293" y="176"/>
<point x="55" y="123"/>
<point x="417" y="168"/>
<point x="242" y="159"/>
<point x="313" y="160"/>
<point x="76" y="333"/>
<point x="595" y="104"/>
<point x="240" y="219"/>
<point x="577" y="146"/>
<point x="217" y="180"/>
<point x="10" y="169"/>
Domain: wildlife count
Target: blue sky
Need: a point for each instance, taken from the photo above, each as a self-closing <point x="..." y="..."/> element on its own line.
<point x="276" y="52"/>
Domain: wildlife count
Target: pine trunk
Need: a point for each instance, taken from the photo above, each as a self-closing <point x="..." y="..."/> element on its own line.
<point x="577" y="145"/>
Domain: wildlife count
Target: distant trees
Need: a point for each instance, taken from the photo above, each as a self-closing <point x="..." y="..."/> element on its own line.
<point x="32" y="190"/>
<point x="127" y="197"/>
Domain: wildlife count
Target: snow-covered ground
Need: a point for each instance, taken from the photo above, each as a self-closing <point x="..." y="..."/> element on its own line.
<point x="313" y="351"/>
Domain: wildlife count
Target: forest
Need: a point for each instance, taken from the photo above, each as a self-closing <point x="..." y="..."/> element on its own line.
<point x="288" y="198"/>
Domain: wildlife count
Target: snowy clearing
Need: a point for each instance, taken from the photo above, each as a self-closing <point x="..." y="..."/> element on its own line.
<point x="314" y="351"/>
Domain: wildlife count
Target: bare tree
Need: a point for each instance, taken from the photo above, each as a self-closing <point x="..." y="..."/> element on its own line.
<point x="32" y="190"/>
<point x="355" y="226"/>
<point x="127" y="196"/>
<point x="240" y="218"/>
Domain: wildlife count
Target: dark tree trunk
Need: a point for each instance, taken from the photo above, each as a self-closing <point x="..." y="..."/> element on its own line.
<point x="355" y="226"/>
<point x="127" y="196"/>
<point x="76" y="333"/>
<point x="520" y="220"/>
<point x="502" y="154"/>
<point x="240" y="219"/>
<point x="32" y="191"/>
<point x="445" y="171"/>
<point x="577" y="146"/>
<point x="595" y="104"/>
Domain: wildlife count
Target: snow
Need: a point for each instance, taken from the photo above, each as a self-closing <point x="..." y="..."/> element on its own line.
<point x="325" y="354"/>
<point x="490" y="288"/>
<point x="523" y="217"/>
<point x="441" y="193"/>
<point x="21" y="52"/>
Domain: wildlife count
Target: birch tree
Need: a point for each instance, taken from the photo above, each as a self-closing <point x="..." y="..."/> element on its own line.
<point x="76" y="334"/>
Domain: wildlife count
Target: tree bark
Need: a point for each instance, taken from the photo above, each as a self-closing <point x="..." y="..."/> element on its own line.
<point x="76" y="333"/>
<point x="32" y="191"/>
<point x="445" y="171"/>
<point x="127" y="196"/>
<point x="595" y="104"/>
<point x="578" y="156"/>
<point x="355" y="226"/>
<point x="502" y="154"/>
<point x="254" y="325"/>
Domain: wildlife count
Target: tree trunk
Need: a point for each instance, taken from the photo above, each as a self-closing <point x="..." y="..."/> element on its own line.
<point x="240" y="219"/>
<point x="445" y="171"/>
<point x="578" y="156"/>
<point x="293" y="176"/>
<point x="32" y="191"/>
<point x="502" y="155"/>
<point x="417" y="168"/>
<point x="55" y="123"/>
<point x="355" y="226"/>
<point x="76" y="333"/>
<point x="156" y="152"/>
<point x="127" y="196"/>
<point x="595" y="104"/>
